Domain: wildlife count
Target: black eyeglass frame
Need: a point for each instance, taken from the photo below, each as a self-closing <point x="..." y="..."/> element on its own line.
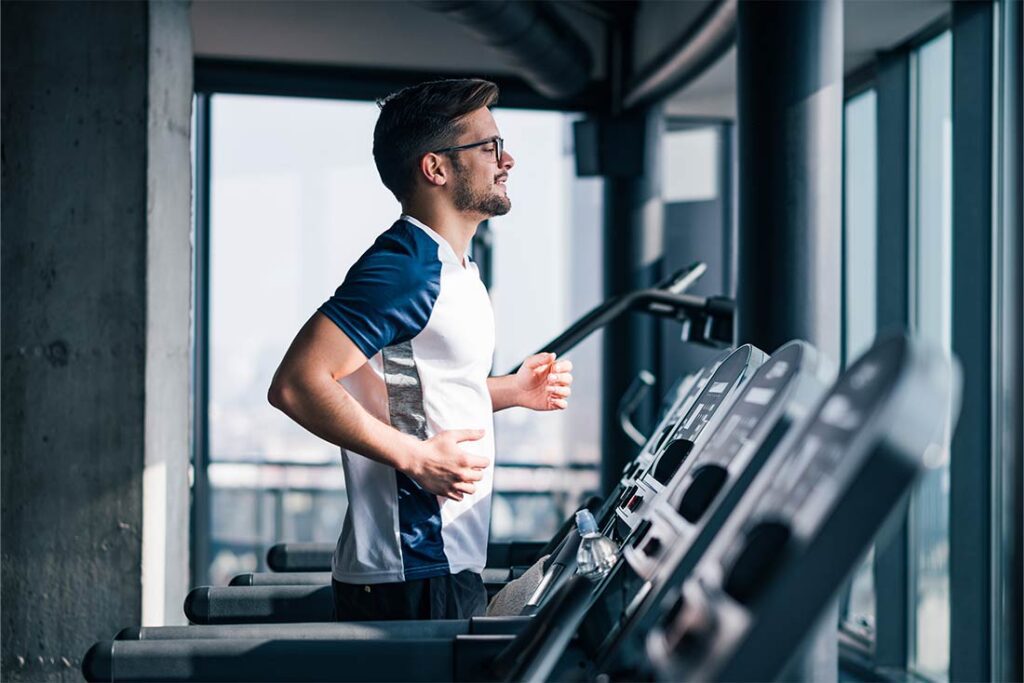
<point x="498" y="142"/>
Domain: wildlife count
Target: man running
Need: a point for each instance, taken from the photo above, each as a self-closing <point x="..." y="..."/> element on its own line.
<point x="394" y="367"/>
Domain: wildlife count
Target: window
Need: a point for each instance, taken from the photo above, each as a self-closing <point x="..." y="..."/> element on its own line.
<point x="859" y="262"/>
<point x="547" y="273"/>
<point x="295" y="199"/>
<point x="696" y="194"/>
<point x="931" y="311"/>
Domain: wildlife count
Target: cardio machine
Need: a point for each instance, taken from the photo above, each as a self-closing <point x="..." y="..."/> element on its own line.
<point x="452" y="650"/>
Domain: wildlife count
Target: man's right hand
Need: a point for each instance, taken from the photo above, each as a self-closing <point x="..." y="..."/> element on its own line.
<point x="444" y="469"/>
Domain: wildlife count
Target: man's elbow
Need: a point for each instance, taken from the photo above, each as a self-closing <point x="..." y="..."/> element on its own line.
<point x="281" y="394"/>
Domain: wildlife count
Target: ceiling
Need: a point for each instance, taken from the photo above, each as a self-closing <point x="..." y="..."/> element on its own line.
<point x="402" y="35"/>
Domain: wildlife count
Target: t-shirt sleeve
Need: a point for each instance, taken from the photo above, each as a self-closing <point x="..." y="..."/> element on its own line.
<point x="386" y="298"/>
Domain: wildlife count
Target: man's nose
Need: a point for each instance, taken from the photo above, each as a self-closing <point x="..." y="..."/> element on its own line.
<point x="507" y="161"/>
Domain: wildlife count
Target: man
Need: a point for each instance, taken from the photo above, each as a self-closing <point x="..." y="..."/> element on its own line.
<point x="394" y="367"/>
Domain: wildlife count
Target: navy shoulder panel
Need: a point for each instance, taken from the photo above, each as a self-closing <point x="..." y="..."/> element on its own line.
<point x="389" y="293"/>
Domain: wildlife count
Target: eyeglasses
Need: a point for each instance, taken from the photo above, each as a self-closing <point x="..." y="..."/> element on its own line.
<point x="499" y="147"/>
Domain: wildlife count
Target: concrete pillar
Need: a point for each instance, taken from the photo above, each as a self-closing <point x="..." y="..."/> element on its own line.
<point x="633" y="230"/>
<point x="790" y="80"/>
<point x="96" y="292"/>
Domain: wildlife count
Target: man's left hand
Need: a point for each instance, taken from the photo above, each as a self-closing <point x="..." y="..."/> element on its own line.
<point x="542" y="383"/>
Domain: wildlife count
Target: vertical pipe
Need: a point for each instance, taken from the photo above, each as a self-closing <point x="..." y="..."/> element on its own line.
<point x="790" y="182"/>
<point x="632" y="259"/>
<point x="790" y="77"/>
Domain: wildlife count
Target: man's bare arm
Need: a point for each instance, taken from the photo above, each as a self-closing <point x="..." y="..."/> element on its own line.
<point x="305" y="387"/>
<point x="503" y="392"/>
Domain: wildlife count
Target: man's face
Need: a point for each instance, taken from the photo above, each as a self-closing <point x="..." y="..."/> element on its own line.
<point x="479" y="178"/>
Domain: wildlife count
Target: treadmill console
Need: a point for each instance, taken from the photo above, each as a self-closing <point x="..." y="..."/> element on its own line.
<point x="805" y="521"/>
<point x="687" y="393"/>
<point x="679" y="438"/>
<point x="780" y="392"/>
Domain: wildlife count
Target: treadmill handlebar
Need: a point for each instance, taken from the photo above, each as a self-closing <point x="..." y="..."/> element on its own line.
<point x="681" y="280"/>
<point x="706" y="320"/>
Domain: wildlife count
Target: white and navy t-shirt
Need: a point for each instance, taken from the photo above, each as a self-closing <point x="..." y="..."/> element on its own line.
<point x="424" y="320"/>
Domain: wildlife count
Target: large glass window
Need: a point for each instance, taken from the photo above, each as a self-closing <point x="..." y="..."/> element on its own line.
<point x="295" y="199"/>
<point x="547" y="273"/>
<point x="860" y="206"/>
<point x="697" y="226"/>
<point x="931" y="306"/>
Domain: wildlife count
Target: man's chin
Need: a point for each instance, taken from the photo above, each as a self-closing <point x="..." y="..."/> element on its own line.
<point x="498" y="206"/>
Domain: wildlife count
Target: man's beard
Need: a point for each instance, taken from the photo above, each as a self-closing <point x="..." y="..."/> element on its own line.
<point x="488" y="204"/>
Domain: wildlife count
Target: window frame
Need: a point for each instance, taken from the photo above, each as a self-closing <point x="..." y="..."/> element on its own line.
<point x="976" y="621"/>
<point x="890" y="75"/>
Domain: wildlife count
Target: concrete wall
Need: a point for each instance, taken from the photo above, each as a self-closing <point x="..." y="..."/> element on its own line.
<point x="95" y="179"/>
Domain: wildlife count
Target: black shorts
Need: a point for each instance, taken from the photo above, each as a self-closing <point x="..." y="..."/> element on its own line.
<point x="452" y="596"/>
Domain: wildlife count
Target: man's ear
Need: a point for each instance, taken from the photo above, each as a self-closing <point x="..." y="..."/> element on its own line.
<point x="434" y="168"/>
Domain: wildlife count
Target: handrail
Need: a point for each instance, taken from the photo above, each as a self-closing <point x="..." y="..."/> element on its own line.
<point x="706" y="320"/>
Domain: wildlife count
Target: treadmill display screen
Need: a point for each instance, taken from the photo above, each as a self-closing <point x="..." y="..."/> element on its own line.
<point x="728" y="374"/>
<point x="759" y="396"/>
<point x="750" y="409"/>
<point x="827" y="437"/>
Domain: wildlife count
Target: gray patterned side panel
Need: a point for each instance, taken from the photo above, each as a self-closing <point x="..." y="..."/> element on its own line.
<point x="405" y="393"/>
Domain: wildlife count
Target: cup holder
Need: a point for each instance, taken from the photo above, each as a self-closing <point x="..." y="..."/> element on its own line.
<point x="763" y="551"/>
<point x="707" y="481"/>
<point x="671" y="460"/>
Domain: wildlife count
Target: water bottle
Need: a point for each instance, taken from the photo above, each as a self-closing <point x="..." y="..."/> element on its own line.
<point x="597" y="554"/>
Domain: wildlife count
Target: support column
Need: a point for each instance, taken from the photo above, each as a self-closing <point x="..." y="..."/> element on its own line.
<point x="165" y="539"/>
<point x="633" y="225"/>
<point x="96" y="273"/>
<point x="790" y="78"/>
<point x="790" y="57"/>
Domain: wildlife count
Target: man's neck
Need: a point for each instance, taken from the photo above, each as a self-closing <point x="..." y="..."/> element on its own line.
<point x="455" y="227"/>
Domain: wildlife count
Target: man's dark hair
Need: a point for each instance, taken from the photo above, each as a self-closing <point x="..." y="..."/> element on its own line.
<point x="420" y="119"/>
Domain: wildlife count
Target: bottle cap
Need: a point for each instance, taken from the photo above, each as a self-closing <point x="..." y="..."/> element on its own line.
<point x="586" y="523"/>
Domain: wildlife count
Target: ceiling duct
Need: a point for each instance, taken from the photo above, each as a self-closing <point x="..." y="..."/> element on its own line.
<point x="546" y="50"/>
<point x="712" y="36"/>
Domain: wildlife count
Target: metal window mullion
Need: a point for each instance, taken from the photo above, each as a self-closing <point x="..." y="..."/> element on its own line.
<point x="1008" y="362"/>
<point x="895" y="213"/>
<point x="971" y="451"/>
<point x="200" y="517"/>
<point x="995" y="347"/>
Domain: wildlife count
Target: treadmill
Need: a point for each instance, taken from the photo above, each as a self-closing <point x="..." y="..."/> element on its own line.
<point x="466" y="655"/>
<point x="755" y="596"/>
<point x="589" y="624"/>
<point x="150" y="654"/>
<point x="740" y="607"/>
